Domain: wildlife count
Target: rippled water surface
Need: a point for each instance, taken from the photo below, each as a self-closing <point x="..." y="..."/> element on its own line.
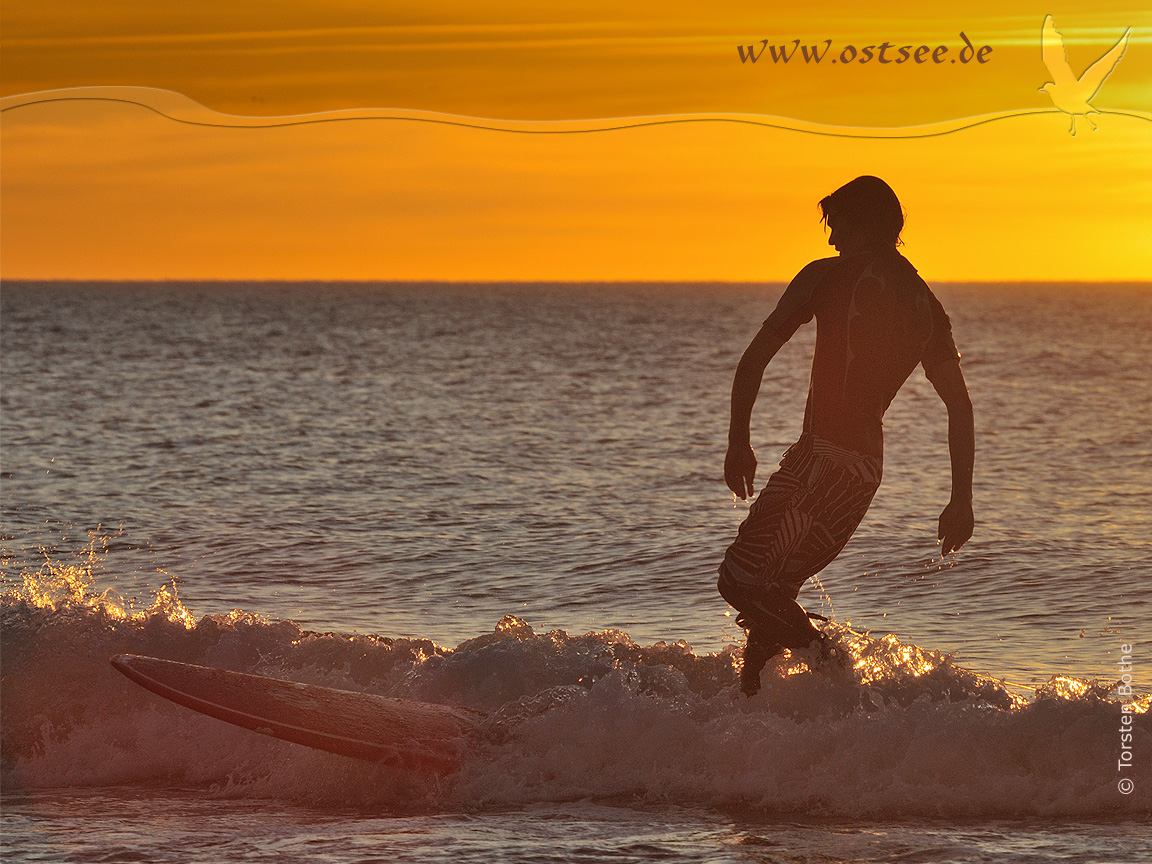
<point x="421" y="460"/>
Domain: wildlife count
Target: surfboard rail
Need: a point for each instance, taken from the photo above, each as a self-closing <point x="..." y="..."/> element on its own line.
<point x="412" y="735"/>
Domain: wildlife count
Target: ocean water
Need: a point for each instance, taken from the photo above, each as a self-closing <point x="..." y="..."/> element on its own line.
<point x="510" y="497"/>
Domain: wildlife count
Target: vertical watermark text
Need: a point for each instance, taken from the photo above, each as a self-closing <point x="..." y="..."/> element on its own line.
<point x="1127" y="710"/>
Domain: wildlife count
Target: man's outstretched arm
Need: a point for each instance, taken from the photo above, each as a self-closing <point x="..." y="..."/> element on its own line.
<point x="956" y="522"/>
<point x="740" y="462"/>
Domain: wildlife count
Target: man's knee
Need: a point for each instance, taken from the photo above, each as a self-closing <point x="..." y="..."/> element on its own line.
<point x="769" y="610"/>
<point x="727" y="586"/>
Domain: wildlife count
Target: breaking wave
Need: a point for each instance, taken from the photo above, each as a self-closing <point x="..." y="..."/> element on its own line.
<point x="896" y="731"/>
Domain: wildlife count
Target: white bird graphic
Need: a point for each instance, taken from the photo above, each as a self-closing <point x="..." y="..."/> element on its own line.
<point x="1069" y="94"/>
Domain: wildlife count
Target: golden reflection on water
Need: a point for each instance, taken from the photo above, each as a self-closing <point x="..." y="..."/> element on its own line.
<point x="57" y="584"/>
<point x="887" y="657"/>
<point x="1067" y="688"/>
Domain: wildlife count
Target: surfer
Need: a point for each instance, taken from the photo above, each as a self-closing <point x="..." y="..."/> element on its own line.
<point x="876" y="320"/>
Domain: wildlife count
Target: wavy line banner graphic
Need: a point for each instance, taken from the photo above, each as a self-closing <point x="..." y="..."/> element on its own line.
<point x="181" y="109"/>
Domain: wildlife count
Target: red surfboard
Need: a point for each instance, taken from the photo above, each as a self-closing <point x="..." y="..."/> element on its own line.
<point x="413" y="735"/>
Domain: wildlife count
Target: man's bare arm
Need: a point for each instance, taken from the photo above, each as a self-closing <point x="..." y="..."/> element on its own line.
<point x="956" y="522"/>
<point x="740" y="462"/>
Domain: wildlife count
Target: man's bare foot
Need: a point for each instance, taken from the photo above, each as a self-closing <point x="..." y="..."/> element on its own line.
<point x="757" y="652"/>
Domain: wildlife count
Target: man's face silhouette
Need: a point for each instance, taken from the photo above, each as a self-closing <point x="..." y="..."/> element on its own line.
<point x="845" y="240"/>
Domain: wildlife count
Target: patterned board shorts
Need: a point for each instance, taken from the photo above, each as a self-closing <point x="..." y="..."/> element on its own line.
<point x="801" y="519"/>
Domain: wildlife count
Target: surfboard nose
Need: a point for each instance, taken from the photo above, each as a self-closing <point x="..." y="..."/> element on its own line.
<point x="130" y="666"/>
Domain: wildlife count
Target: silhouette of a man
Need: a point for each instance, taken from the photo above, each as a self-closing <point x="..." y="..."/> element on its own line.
<point x="876" y="320"/>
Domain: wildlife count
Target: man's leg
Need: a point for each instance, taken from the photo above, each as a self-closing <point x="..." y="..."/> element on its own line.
<point x="774" y="621"/>
<point x="766" y="540"/>
<point x="796" y="527"/>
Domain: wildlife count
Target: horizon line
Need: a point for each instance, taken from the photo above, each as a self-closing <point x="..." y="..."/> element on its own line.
<point x="230" y="280"/>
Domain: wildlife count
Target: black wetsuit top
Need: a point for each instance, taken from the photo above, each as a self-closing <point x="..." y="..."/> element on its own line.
<point x="876" y="320"/>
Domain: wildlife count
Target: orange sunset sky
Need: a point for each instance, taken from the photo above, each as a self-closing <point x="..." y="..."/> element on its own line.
<point x="111" y="189"/>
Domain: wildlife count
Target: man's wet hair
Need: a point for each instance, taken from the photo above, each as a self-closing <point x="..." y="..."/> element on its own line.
<point x="866" y="204"/>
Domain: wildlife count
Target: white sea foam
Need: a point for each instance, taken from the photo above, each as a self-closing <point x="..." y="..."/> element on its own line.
<point x="900" y="731"/>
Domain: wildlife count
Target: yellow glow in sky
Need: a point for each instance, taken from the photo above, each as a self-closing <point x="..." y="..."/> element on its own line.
<point x="106" y="190"/>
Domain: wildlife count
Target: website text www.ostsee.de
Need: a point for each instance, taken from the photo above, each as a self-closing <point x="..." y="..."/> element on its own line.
<point x="882" y="54"/>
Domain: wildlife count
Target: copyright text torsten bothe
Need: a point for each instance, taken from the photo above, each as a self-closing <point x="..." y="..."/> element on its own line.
<point x="1127" y="711"/>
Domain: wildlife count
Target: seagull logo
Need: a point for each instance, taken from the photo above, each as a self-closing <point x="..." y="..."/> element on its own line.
<point x="1069" y="93"/>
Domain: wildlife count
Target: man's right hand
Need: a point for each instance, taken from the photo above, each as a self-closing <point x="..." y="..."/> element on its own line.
<point x="740" y="469"/>
<point x="956" y="525"/>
